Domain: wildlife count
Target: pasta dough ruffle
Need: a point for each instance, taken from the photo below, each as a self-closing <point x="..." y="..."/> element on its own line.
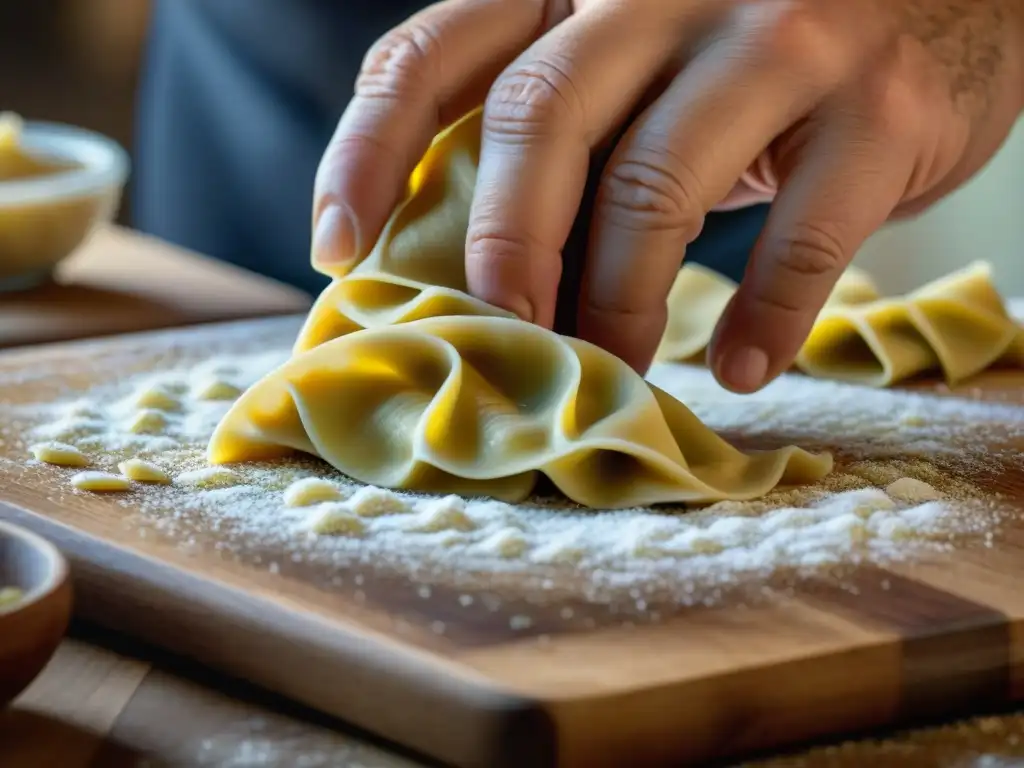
<point x="957" y="325"/>
<point x="481" y="405"/>
<point x="699" y="296"/>
<point x="416" y="268"/>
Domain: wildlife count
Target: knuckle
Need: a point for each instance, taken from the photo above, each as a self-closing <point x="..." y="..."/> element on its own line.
<point x="890" y="104"/>
<point x="337" y="172"/>
<point x="343" y="148"/>
<point x="531" y="99"/>
<point x="652" y="190"/>
<point x="486" y="247"/>
<point x="400" y="63"/>
<point x="784" y="303"/>
<point x="499" y="269"/>
<point x="798" y="39"/>
<point x="811" y="251"/>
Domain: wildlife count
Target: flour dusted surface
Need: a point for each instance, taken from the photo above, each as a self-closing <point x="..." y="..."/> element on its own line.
<point x="894" y="496"/>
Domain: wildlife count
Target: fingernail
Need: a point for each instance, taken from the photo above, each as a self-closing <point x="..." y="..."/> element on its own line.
<point x="744" y="369"/>
<point x="335" y="240"/>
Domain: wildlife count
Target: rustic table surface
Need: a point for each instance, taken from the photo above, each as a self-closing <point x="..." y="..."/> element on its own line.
<point x="106" y="702"/>
<point x="120" y="282"/>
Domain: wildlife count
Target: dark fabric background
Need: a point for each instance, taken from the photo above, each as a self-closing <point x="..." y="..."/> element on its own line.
<point x="238" y="100"/>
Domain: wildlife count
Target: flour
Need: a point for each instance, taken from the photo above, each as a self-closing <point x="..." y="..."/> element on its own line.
<point x="276" y="742"/>
<point x="868" y="423"/>
<point x="980" y="742"/>
<point x="913" y="490"/>
<point x="898" y="491"/>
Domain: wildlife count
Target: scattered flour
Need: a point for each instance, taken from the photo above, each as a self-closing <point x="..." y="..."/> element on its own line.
<point x="868" y="423"/>
<point x="209" y="477"/>
<point x="273" y="741"/>
<point x="911" y="489"/>
<point x="311" y="490"/>
<point x="334" y="519"/>
<point x="447" y="514"/>
<point x="148" y="421"/>
<point x="980" y="742"/>
<point x="215" y="389"/>
<point x="898" y="491"/>
<point x="506" y="543"/>
<point x="155" y="397"/>
<point x="374" y="502"/>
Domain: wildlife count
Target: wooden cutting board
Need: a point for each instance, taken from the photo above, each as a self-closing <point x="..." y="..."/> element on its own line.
<point x="120" y="281"/>
<point x="581" y="687"/>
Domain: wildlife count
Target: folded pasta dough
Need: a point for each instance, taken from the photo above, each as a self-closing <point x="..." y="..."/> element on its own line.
<point x="957" y="324"/>
<point x="697" y="299"/>
<point x="400" y="378"/>
<point x="415" y="270"/>
<point x="699" y="296"/>
<point x="481" y="405"/>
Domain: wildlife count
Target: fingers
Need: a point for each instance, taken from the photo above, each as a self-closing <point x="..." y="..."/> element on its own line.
<point x="417" y="77"/>
<point x="680" y="159"/>
<point x="847" y="179"/>
<point x="545" y="113"/>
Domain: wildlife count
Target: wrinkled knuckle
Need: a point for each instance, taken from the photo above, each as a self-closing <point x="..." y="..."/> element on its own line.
<point x="800" y="41"/>
<point x="891" y="104"/>
<point x="485" y="248"/>
<point x="400" y="64"/>
<point x="811" y="251"/>
<point x="784" y="303"/>
<point x="343" y="148"/>
<point x="531" y="99"/>
<point x="650" y="190"/>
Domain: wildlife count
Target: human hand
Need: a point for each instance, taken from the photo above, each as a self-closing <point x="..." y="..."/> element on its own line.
<point x="865" y="110"/>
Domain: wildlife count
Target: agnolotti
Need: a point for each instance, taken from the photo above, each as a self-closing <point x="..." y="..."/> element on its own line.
<point x="483" y="405"/>
<point x="956" y="326"/>
<point x="699" y="296"/>
<point x="400" y="378"/>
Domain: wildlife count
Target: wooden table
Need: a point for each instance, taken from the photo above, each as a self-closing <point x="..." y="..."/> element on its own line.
<point x="122" y="282"/>
<point x="103" y="704"/>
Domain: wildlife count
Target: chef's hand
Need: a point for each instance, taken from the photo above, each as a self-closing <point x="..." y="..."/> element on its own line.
<point x="869" y="109"/>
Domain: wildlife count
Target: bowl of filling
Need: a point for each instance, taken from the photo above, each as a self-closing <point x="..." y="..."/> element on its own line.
<point x="57" y="183"/>
<point x="35" y="607"/>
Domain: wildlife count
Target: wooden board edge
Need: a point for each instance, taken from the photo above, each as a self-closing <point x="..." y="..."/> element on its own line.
<point x="797" y="702"/>
<point x="464" y="722"/>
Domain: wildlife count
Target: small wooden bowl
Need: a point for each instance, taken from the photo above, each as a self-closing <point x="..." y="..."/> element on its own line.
<point x="32" y="627"/>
